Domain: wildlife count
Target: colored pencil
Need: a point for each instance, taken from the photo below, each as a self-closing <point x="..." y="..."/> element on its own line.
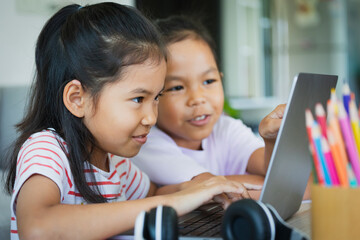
<point x="339" y="163"/>
<point x="333" y="99"/>
<point x="354" y="121"/>
<point x="321" y="118"/>
<point x="309" y="120"/>
<point x="314" y="174"/>
<point x="320" y="154"/>
<point x="350" y="142"/>
<point x="352" y="179"/>
<point x="329" y="161"/>
<point x="334" y="126"/>
<point x="346" y="96"/>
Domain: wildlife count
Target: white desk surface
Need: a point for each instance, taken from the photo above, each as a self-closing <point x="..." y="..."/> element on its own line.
<point x="302" y="219"/>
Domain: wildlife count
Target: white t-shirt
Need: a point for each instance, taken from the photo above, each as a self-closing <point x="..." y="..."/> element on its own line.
<point x="225" y="152"/>
<point x="42" y="154"/>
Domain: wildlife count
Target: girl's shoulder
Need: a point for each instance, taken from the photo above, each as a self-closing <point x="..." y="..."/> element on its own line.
<point x="45" y="137"/>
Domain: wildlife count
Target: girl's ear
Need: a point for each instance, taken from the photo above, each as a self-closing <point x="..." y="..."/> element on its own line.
<point x="221" y="74"/>
<point x="74" y="98"/>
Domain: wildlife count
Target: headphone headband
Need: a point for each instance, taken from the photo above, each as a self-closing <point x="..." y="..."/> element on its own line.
<point x="158" y="222"/>
<point x="270" y="218"/>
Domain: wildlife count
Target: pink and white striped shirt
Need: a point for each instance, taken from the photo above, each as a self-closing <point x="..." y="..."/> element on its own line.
<point x="42" y="154"/>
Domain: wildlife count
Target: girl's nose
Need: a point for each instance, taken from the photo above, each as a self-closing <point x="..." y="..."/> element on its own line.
<point x="150" y="117"/>
<point x="196" y="98"/>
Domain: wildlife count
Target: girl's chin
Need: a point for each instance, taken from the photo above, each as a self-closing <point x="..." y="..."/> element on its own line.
<point x="192" y="142"/>
<point x="129" y="154"/>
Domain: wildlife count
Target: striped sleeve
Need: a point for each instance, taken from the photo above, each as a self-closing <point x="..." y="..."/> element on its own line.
<point x="135" y="183"/>
<point x="41" y="154"/>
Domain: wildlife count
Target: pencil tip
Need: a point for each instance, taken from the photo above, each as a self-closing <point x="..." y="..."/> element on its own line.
<point x="319" y="109"/>
<point x="309" y="119"/>
<point x="346" y="88"/>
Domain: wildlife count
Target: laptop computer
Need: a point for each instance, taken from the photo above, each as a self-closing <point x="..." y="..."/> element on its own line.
<point x="290" y="163"/>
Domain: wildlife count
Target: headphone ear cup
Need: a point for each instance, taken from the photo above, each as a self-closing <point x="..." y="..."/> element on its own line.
<point x="246" y="219"/>
<point x="141" y="222"/>
<point x="169" y="224"/>
<point x="163" y="223"/>
<point x="152" y="224"/>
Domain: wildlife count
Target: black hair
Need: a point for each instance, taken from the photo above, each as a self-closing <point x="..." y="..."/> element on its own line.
<point x="92" y="44"/>
<point x="177" y="28"/>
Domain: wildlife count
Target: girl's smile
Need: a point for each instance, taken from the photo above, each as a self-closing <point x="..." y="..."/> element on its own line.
<point x="141" y="138"/>
<point x="200" y="120"/>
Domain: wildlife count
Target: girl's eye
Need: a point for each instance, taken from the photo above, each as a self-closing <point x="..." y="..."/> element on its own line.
<point x="138" y="99"/>
<point x="176" y="88"/>
<point x="209" y="81"/>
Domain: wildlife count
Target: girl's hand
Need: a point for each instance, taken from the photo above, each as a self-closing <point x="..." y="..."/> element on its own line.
<point x="269" y="125"/>
<point x="218" y="188"/>
<point x="227" y="198"/>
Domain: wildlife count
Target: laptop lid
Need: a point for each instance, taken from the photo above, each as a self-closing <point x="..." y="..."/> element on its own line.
<point x="290" y="163"/>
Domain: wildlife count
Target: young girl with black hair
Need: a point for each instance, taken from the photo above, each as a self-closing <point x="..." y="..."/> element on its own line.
<point x="99" y="72"/>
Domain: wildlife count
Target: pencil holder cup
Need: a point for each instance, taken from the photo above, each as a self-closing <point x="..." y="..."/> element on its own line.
<point x="335" y="213"/>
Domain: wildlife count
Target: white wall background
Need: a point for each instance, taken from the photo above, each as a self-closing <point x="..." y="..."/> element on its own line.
<point x="18" y="33"/>
<point x="20" y="24"/>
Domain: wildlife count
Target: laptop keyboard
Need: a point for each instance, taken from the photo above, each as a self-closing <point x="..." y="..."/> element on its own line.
<point x="204" y="222"/>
